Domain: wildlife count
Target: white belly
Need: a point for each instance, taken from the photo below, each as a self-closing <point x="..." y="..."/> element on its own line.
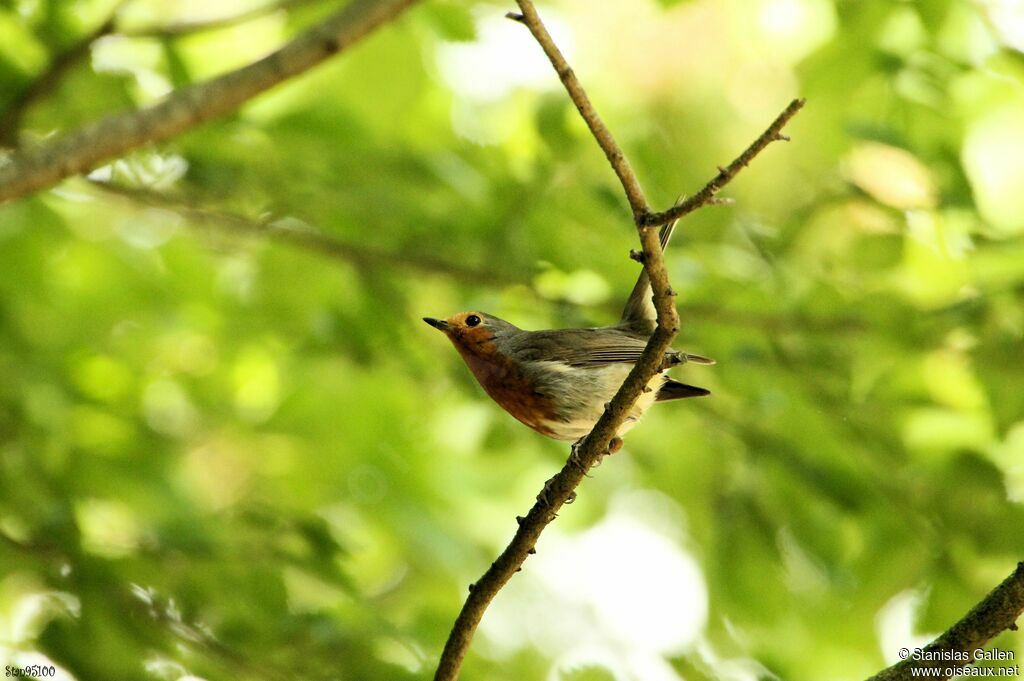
<point x="588" y="390"/>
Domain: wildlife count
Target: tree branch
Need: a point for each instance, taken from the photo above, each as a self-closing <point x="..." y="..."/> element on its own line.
<point x="299" y="235"/>
<point x="594" y="446"/>
<point x="620" y="164"/>
<point x="189" y="27"/>
<point x="996" y="613"/>
<point x="47" y="81"/>
<point x="773" y="133"/>
<point x="317" y="241"/>
<point x="79" y="151"/>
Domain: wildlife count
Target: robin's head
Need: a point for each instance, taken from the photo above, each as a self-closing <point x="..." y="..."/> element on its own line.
<point x="474" y="331"/>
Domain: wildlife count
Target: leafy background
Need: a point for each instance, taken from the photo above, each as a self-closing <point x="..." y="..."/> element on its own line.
<point x="227" y="452"/>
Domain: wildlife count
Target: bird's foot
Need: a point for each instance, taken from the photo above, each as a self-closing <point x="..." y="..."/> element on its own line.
<point x="673" y="359"/>
<point x="574" y="456"/>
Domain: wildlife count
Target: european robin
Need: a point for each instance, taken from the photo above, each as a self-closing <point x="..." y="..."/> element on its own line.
<point x="559" y="381"/>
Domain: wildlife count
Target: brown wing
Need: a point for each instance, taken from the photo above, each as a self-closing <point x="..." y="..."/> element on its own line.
<point x="589" y="347"/>
<point x="580" y="347"/>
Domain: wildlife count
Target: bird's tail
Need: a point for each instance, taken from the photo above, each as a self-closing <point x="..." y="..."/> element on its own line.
<point x="674" y="390"/>
<point x="639" y="314"/>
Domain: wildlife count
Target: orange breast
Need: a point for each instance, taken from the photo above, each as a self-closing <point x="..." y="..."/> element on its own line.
<point x="509" y="387"/>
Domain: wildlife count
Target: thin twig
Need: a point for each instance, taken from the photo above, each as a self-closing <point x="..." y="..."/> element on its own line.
<point x="50" y="161"/>
<point x="184" y="28"/>
<point x="773" y="133"/>
<point x="630" y="184"/>
<point x="596" y="445"/>
<point x="298" y="234"/>
<point x="954" y="649"/>
<point x="315" y="240"/>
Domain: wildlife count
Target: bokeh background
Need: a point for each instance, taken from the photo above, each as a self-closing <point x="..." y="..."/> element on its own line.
<point x="230" y="449"/>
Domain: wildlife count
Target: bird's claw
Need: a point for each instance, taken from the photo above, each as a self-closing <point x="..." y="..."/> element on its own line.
<point x="673" y="359"/>
<point x="574" y="456"/>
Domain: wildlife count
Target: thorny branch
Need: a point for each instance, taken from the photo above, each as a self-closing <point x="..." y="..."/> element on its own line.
<point x="596" y="445"/>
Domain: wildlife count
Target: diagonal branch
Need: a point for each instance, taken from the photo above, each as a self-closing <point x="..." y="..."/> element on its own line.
<point x="299" y="235"/>
<point x="585" y="454"/>
<point x="184" y="28"/>
<point x="562" y="487"/>
<point x="620" y="164"/>
<point x="79" y="151"/>
<point x="996" y="613"/>
<point x="47" y="81"/>
<point x="773" y="133"/>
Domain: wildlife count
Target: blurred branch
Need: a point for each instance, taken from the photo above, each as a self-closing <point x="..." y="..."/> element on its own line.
<point x="774" y="323"/>
<point x="183" y="28"/>
<point x="996" y="613"/>
<point x="586" y="453"/>
<point x="298" y="234"/>
<point x="46" y="82"/>
<point x="50" y="161"/>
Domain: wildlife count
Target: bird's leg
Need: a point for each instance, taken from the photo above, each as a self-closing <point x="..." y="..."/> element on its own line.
<point x="574" y="460"/>
<point x="672" y="359"/>
<point x="574" y="457"/>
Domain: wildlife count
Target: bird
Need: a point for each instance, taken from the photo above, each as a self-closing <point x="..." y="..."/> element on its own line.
<point x="559" y="381"/>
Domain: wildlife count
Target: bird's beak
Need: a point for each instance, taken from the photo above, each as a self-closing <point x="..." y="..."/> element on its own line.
<point x="439" y="324"/>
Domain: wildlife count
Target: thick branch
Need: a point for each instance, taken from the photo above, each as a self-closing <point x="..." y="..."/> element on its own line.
<point x="84" y="149"/>
<point x="996" y="613"/>
<point x="596" y="445"/>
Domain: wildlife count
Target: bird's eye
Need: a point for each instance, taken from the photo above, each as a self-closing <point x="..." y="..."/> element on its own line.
<point x="472" y="320"/>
